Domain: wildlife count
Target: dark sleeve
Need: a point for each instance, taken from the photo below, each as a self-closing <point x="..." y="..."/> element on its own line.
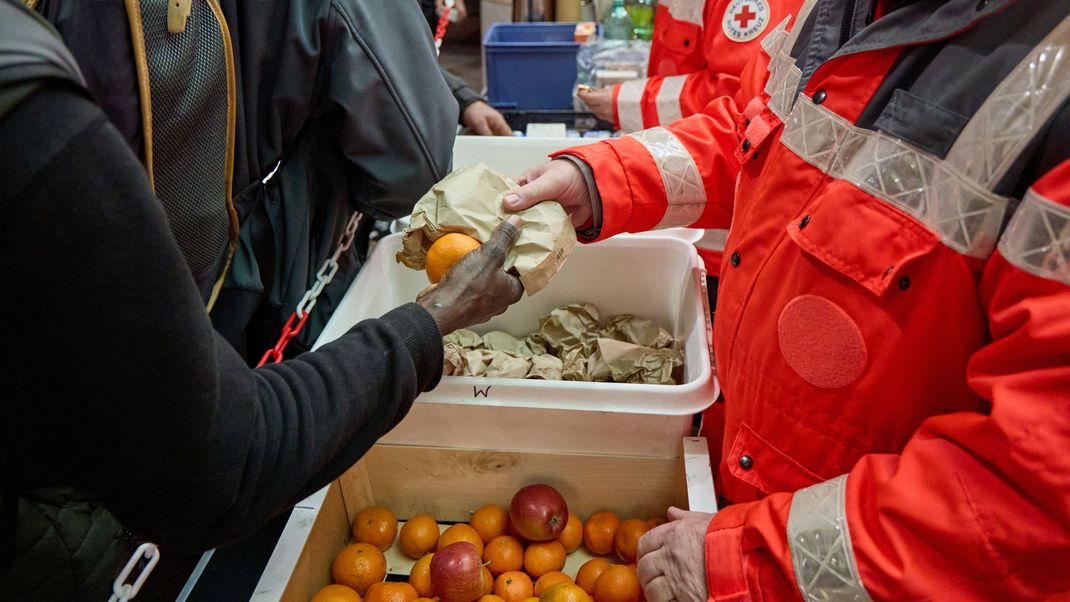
<point x="464" y="94"/>
<point x="115" y="382"/>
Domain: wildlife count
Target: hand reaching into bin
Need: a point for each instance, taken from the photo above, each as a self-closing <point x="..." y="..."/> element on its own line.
<point x="476" y="288"/>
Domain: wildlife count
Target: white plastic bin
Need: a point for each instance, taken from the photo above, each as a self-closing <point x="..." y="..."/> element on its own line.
<point x="513" y="156"/>
<point x="656" y="278"/>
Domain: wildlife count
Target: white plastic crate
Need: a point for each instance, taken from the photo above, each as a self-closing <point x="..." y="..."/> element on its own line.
<point x="656" y="278"/>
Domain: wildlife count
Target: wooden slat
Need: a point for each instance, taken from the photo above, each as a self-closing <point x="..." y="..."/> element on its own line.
<point x="330" y="533"/>
<point x="450" y="483"/>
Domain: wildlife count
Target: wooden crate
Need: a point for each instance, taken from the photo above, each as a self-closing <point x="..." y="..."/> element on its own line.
<point x="450" y="483"/>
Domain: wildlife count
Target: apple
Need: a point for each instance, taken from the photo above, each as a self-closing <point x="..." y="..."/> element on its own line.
<point x="457" y="573"/>
<point x="538" y="512"/>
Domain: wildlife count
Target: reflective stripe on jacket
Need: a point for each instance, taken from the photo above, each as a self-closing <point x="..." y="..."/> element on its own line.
<point x="892" y="324"/>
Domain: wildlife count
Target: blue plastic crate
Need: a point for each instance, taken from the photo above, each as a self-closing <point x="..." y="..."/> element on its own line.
<point x="530" y="65"/>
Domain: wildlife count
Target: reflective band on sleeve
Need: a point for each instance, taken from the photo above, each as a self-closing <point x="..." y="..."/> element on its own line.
<point x="629" y="105"/>
<point x="686" y="10"/>
<point x="965" y="216"/>
<point x="684" y="193"/>
<point x="1015" y="111"/>
<point x="820" y="543"/>
<point x="1038" y="238"/>
<point x="669" y="99"/>
<point x="784" y="76"/>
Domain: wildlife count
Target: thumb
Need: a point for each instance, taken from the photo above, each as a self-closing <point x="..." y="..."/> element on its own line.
<point x="503" y="238"/>
<point x="538" y="188"/>
<point x="676" y="513"/>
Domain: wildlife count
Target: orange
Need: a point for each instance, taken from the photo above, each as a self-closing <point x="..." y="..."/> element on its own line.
<point x="387" y="591"/>
<point x="513" y="586"/>
<point x="427" y="600"/>
<point x="589" y="573"/>
<point x="618" y="583"/>
<point x="549" y="580"/>
<point x="598" y="532"/>
<point x="541" y="558"/>
<point x="531" y="599"/>
<point x="565" y="592"/>
<point x="490" y="521"/>
<point x="572" y="536"/>
<point x="375" y="525"/>
<point x="491" y="598"/>
<point x="460" y="532"/>
<point x="336" y="593"/>
<point x="656" y="521"/>
<point x="358" y="566"/>
<point x="626" y="540"/>
<point x="504" y="554"/>
<point x="420" y="577"/>
<point x="445" y="252"/>
<point x="488" y="582"/>
<point x="419" y="535"/>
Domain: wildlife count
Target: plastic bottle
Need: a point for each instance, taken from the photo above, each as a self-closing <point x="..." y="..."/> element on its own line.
<point x="617" y="25"/>
<point x="642" y="14"/>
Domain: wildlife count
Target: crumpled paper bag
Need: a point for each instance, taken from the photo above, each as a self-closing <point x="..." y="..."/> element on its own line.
<point x="497" y="340"/>
<point x="469" y="201"/>
<point x="633" y="363"/>
<point x="569" y="325"/>
<point x="464" y="338"/>
<point x="545" y="367"/>
<point x="639" y="331"/>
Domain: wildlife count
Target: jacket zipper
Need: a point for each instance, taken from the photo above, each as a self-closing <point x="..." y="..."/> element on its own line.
<point x="845" y="26"/>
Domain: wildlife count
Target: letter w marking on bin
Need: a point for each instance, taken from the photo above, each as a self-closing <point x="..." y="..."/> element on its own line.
<point x="477" y="390"/>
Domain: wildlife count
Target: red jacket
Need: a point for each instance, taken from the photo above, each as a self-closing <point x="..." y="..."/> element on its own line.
<point x="699" y="49"/>
<point x="893" y="324"/>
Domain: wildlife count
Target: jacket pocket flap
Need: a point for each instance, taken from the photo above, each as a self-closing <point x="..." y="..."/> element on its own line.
<point x="861" y="237"/>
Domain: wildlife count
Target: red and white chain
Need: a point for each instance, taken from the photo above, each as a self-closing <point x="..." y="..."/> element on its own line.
<point x="324" y="276"/>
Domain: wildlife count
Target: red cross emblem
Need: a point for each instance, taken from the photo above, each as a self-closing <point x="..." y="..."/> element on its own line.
<point x="744" y="16"/>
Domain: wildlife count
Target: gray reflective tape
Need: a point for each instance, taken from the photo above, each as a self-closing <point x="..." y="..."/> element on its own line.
<point x="1015" y="111"/>
<point x="629" y="105"/>
<point x="1038" y="238"/>
<point x="685" y="194"/>
<point x="668" y="101"/>
<point x="820" y="542"/>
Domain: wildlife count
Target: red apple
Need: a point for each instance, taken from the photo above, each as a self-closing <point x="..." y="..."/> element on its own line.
<point x="457" y="573"/>
<point x="538" y="512"/>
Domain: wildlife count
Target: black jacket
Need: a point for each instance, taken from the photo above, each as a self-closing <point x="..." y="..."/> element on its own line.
<point x="115" y="383"/>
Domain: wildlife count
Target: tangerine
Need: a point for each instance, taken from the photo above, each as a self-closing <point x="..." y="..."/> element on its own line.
<point x="460" y="532"/>
<point x="427" y="600"/>
<point x="419" y="535"/>
<point x="549" y="580"/>
<point x="565" y="592"/>
<point x="375" y="525"/>
<point x="336" y="593"/>
<point x="488" y="582"/>
<point x="358" y="566"/>
<point x="391" y="591"/>
<point x="490" y="521"/>
<point x="541" y="558"/>
<point x="598" y="532"/>
<point x="491" y="598"/>
<point x="514" y="586"/>
<point x="504" y="553"/>
<point x="618" y="583"/>
<point x="445" y="252"/>
<point x="420" y="577"/>
<point x="626" y="540"/>
<point x="572" y="536"/>
<point x="589" y="572"/>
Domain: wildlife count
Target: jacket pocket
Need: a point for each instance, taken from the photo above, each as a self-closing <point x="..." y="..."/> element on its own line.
<point x="758" y="463"/>
<point x="861" y="237"/>
<point x="923" y="123"/>
<point x="682" y="38"/>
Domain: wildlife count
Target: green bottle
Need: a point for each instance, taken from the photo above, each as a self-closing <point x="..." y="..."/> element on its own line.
<point x="617" y="25"/>
<point x="642" y="14"/>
